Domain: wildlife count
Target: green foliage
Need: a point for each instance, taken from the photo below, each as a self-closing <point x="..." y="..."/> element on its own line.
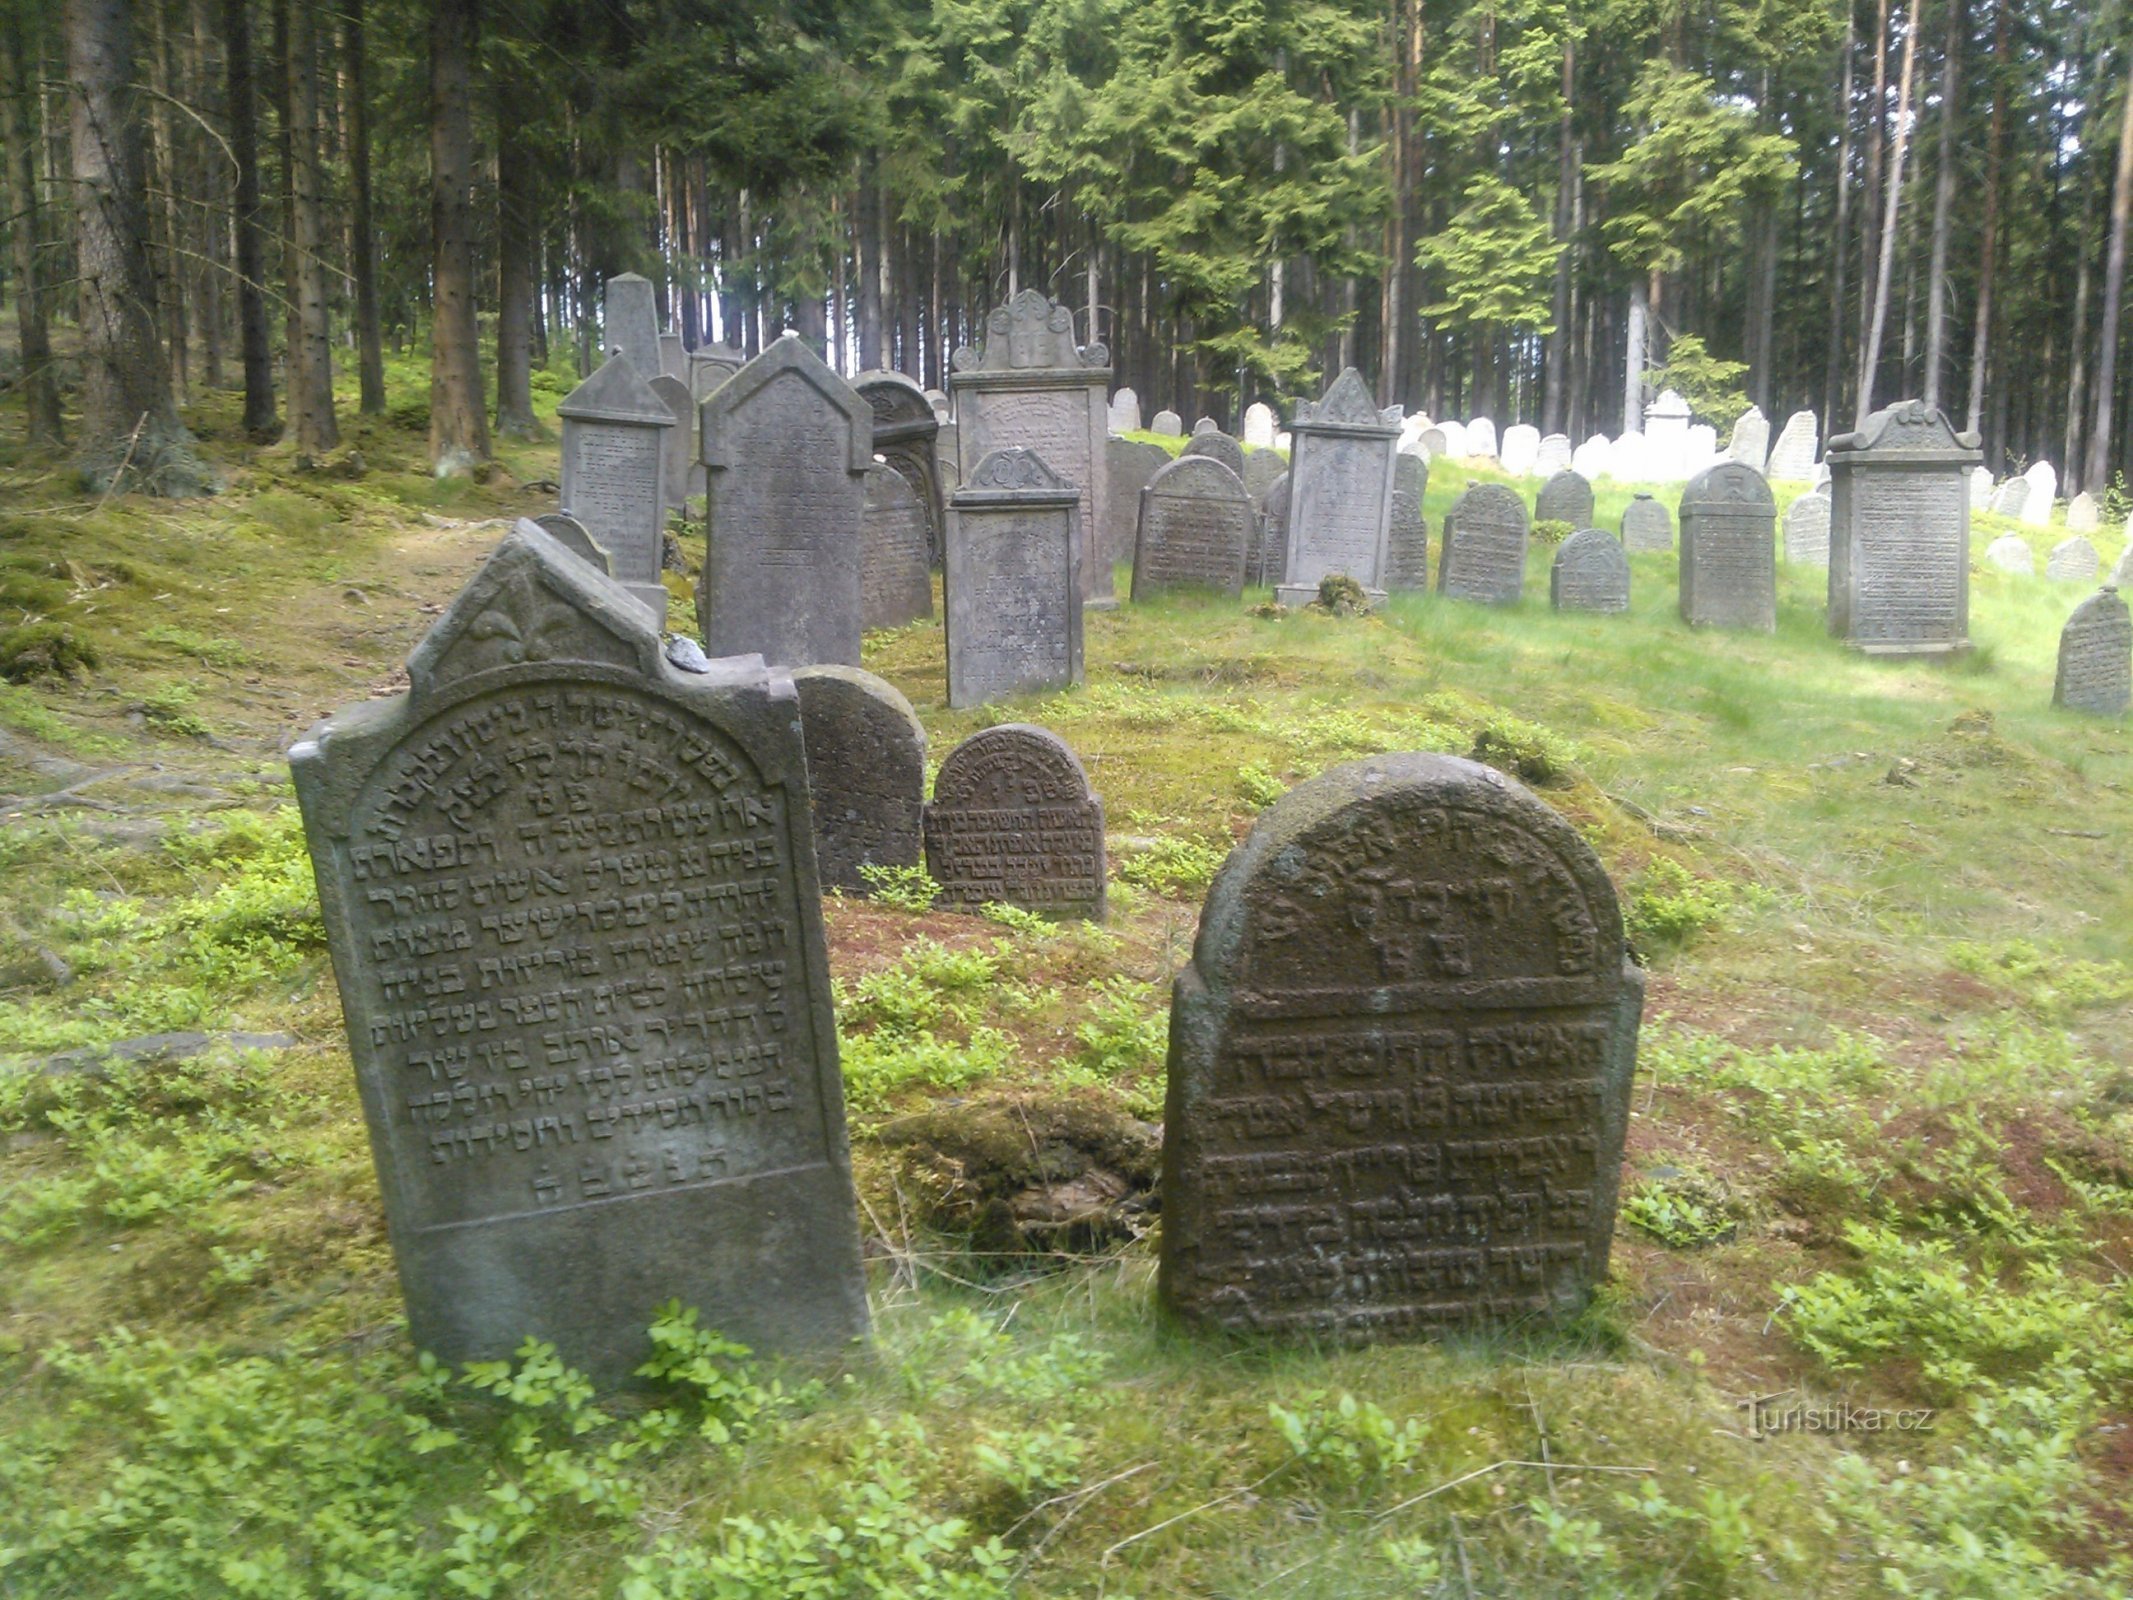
<point x="1494" y="264"/>
<point x="1551" y="531"/>
<point x="1526" y="750"/>
<point x="41" y="649"/>
<point x="1126" y="1034"/>
<point x="1670" y="905"/>
<point x="905" y="888"/>
<point x="1170" y="865"/>
<point x="1684" y="1209"/>
<point x="1259" y="787"/>
<point x="1347" y="1445"/>
<point x="1713" y="388"/>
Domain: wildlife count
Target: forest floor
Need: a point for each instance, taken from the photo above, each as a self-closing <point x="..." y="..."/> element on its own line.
<point x="1881" y="1153"/>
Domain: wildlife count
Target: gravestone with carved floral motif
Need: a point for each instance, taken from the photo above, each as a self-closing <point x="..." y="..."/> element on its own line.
<point x="1899" y="532"/>
<point x="1013" y="580"/>
<point x="1340" y="489"/>
<point x="907" y="435"/>
<point x="615" y="432"/>
<point x="1729" y="550"/>
<point x="1013" y="821"/>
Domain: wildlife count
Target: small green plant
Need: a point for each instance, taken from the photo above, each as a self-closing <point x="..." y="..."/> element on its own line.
<point x="1126" y="1033"/>
<point x="1550" y="530"/>
<point x="1669" y="905"/>
<point x="1681" y="1208"/>
<point x="1341" y="596"/>
<point x="1170" y="865"/>
<point x="1529" y="752"/>
<point x="905" y="888"/>
<point x="1259" y="787"/>
<point x="168" y="706"/>
<point x="1345" y="1443"/>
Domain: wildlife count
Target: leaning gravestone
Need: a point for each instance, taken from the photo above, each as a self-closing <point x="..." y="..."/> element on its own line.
<point x="1013" y="580"/>
<point x="1807" y="530"/>
<point x="1216" y="445"/>
<point x="1484" y="546"/>
<point x="1124" y="412"/>
<point x="570" y="533"/>
<point x="1340" y="489"/>
<point x="866" y="773"/>
<point x="678" y="448"/>
<point x="1400" y="1064"/>
<point x="1014" y="822"/>
<point x="895" y="582"/>
<point x="1552" y="456"/>
<point x="788" y="444"/>
<point x="1169" y="424"/>
<point x="2082" y="515"/>
<point x="1729" y="550"/>
<point x="1129" y="466"/>
<point x="2072" y="561"/>
<point x="2010" y="497"/>
<point x="1590" y="573"/>
<point x="1646" y="524"/>
<point x="1792" y="459"/>
<point x="614" y="480"/>
<point x="906" y="435"/>
<point x="2010" y="552"/>
<point x="1407" y="540"/>
<point x="1899" y="533"/>
<point x="2096" y="657"/>
<point x="570" y="896"/>
<point x="1267" y="556"/>
<point x="1750" y="444"/>
<point x="1521" y="448"/>
<point x="629" y="322"/>
<point x="1566" y="497"/>
<point x="1195" y="526"/>
<point x="1259" y="425"/>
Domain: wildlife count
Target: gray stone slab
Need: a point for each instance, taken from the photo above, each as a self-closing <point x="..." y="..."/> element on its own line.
<point x="1407" y="539"/>
<point x="866" y="774"/>
<point x="1792" y="458"/>
<point x="2083" y="514"/>
<point x="1195" y="525"/>
<point x="1261" y="468"/>
<point x="895" y="578"/>
<point x="674" y="357"/>
<point x="570" y="533"/>
<point x="2010" y="498"/>
<point x="1590" y="573"/>
<point x="1565" y="497"/>
<point x="1217" y="446"/>
<point x="2010" y="552"/>
<point x="1750" y="444"/>
<point x="1899" y="533"/>
<point x="1647" y="524"/>
<point x="1980" y="489"/>
<point x="1266" y="558"/>
<point x="1484" y="546"/>
<point x="907" y="436"/>
<point x="1014" y="591"/>
<point x="1124" y="412"/>
<point x="1169" y="424"/>
<point x="1481" y="439"/>
<point x="1340" y="485"/>
<point x="1260" y="426"/>
<point x="1729" y="550"/>
<point x="2096" y="657"/>
<point x="678" y="448"/>
<point x="1521" y="448"/>
<point x="2043" y="494"/>
<point x="629" y="323"/>
<point x="1129" y="465"/>
<point x="1807" y="530"/>
<point x="2073" y="561"/>
<point x="1552" y="456"/>
<point x="1013" y="821"/>
<point x="710" y="366"/>
<point x="615" y="428"/>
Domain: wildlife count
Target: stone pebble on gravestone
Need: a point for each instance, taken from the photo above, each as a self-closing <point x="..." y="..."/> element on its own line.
<point x="1729" y="550"/>
<point x="1646" y="524"/>
<point x="1807" y="530"/>
<point x="2072" y="561"/>
<point x="570" y="533"/>
<point x="629" y="322"/>
<point x="1552" y="456"/>
<point x="671" y="1148"/>
<point x="1590" y="573"/>
<point x="614" y="480"/>
<point x="2082" y="515"/>
<point x="2096" y="657"/>
<point x="1594" y="459"/>
<point x="1980" y="481"/>
<point x="2010" y="552"/>
<point x="895" y="582"/>
<point x="1216" y="445"/>
<point x="674" y="357"/>
<point x="787" y="443"/>
<point x="678" y="449"/>
<point x="1169" y="424"/>
<point x="1484" y="555"/>
<point x="906" y="434"/>
<point x="1750" y="444"/>
<point x="1267" y="557"/>
<point x="1340" y="490"/>
<point x="1125" y="412"/>
<point x="1407" y="539"/>
<point x="1481" y="439"/>
<point x="1566" y="497"/>
<point x="1013" y="581"/>
<point x="1521" y="448"/>
<point x="1899" y="532"/>
<point x="1792" y="459"/>
<point x="1195" y="527"/>
<point x="1013" y="821"/>
<point x="1128" y="467"/>
<point x="2043" y="494"/>
<point x="2010" y="497"/>
<point x="866" y="774"/>
<point x="1259" y="425"/>
<point x="1496" y="1010"/>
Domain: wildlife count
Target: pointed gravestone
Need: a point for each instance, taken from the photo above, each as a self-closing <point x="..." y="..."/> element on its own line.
<point x="678" y="448"/>
<point x="1340" y="489"/>
<point x="1400" y="1064"/>
<point x="1216" y="445"/>
<point x="1590" y="573"/>
<point x="2082" y="515"/>
<point x="2096" y="657"/>
<point x="895" y="582"/>
<point x="1169" y="424"/>
<point x="1195" y="526"/>
<point x="1407" y="540"/>
<point x="674" y="357"/>
<point x="615" y="428"/>
<point x="1552" y="456"/>
<point x="866" y="774"/>
<point x="1013" y="580"/>
<point x="1792" y="459"/>
<point x="629" y="322"/>
<point x="1124" y="412"/>
<point x="570" y="533"/>
<point x="2010" y="497"/>
<point x="1129" y="466"/>
<point x="1899" y="533"/>
<point x="1750" y="444"/>
<point x="1484" y="546"/>
<point x="1729" y="550"/>
<point x="1647" y="524"/>
<point x="1013" y="821"/>
<point x="906" y="435"/>
<point x="2043" y="493"/>
<point x="1566" y="497"/>
<point x="1521" y="448"/>
<point x="2010" y="552"/>
<point x="2072" y="561"/>
<point x="1267" y="557"/>
<point x="572" y="1123"/>
<point x="1259" y="426"/>
<point x="1807" y="530"/>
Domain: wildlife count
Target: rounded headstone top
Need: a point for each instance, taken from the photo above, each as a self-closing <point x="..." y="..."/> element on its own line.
<point x="1212" y="442"/>
<point x="832" y="689"/>
<point x="1729" y="483"/>
<point x="1493" y="499"/>
<point x="1200" y="476"/>
<point x="1014" y="764"/>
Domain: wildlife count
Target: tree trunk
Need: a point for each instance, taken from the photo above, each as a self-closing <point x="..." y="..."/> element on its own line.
<point x="1988" y="241"/>
<point x="310" y="348"/>
<point x="516" y="186"/>
<point x="165" y="182"/>
<point x="1873" y="199"/>
<point x="1892" y="210"/>
<point x="1840" y="229"/>
<point x="1555" y="387"/>
<point x="1951" y="71"/>
<point x="1633" y="358"/>
<point x="459" y="425"/>
<point x="2097" y="468"/>
<point x="866" y="246"/>
<point x="363" y="262"/>
<point x="255" y="341"/>
<point x="32" y="315"/>
<point x="210" y="228"/>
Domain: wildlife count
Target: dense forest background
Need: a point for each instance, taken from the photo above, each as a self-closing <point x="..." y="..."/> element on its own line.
<point x="1535" y="210"/>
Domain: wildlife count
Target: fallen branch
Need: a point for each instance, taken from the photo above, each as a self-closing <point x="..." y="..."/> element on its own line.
<point x="1497" y="1466"/>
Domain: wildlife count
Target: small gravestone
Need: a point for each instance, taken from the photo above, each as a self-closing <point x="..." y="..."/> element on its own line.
<point x="570" y="533"/>
<point x="1899" y="532"/>
<point x="1340" y="489"/>
<point x="942" y="410"/>
<point x="1259" y="425"/>
<point x="1552" y="456"/>
<point x="1261" y="468"/>
<point x="710" y="366"/>
<point x="1014" y="822"/>
<point x="1169" y="424"/>
<point x="1407" y="541"/>
<point x="1590" y="573"/>
<point x="2122" y="574"/>
<point x="1129" y="465"/>
<point x="1481" y="439"/>
<point x="614" y="479"/>
<point x="678" y="450"/>
<point x="1521" y="448"/>
<point x="629" y="322"/>
<point x="2010" y="497"/>
<point x="1702" y="450"/>
<point x="1980" y="481"/>
<point x="1267" y="557"/>
<point x="1792" y="458"/>
<point x="1594" y="459"/>
<point x="1729" y="550"/>
<point x="1124" y="412"/>
<point x="1400" y="1064"/>
<point x="2072" y="561"/>
<point x="2043" y="493"/>
<point x="1646" y="524"/>
<point x="571" y="901"/>
<point x="895" y="586"/>
<point x="1807" y="530"/>
<point x="1216" y="445"/>
<point x="1454" y="438"/>
<point x="2010" y="552"/>
<point x="906" y="435"/>
<point x="788" y="444"/>
<point x="1750" y="444"/>
<point x="1566" y="497"/>
<point x="2082" y="515"/>
<point x="1484" y="546"/>
<point x="866" y="773"/>
<point x="1195" y="528"/>
<point x="1013" y="580"/>
<point x="674" y="358"/>
<point x="2096" y="657"/>
<point x="1431" y="444"/>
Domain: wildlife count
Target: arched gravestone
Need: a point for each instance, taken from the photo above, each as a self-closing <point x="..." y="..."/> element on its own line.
<point x="710" y="366"/>
<point x="570" y="533"/>
<point x="866" y="773"/>
<point x="1484" y="546"/>
<point x="1481" y="438"/>
<point x="614" y="479"/>
<point x="571" y="901"/>
<point x="1267" y="556"/>
<point x="905" y="435"/>
<point x="1566" y="497"/>
<point x="2072" y="561"/>
<point x="895" y="582"/>
<point x="2043" y="494"/>
<point x="2083" y="515"/>
<point x="1590" y="573"/>
<point x="1553" y="455"/>
<point x="1407" y="540"/>
<point x="1196" y="522"/>
<point x="1167" y="423"/>
<point x="1013" y="820"/>
<point x="1013" y="581"/>
<point x="1899" y="533"/>
<point x="1340" y="488"/>
<point x="1807" y="530"/>
<point x="1260" y="425"/>
<point x="1521" y="448"/>
<point x="678" y="448"/>
<point x="2096" y="657"/>
<point x="629" y="322"/>
<point x="1729" y="550"/>
<point x="787" y="444"/>
<point x="1217" y="446"/>
<point x="1124" y="412"/>
<point x="1646" y="524"/>
<point x="2010" y="552"/>
<point x="1399" y="1063"/>
<point x="1261" y="468"/>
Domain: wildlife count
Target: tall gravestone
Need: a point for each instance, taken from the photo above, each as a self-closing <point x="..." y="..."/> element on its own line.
<point x="1268" y="556"/>
<point x="1807" y="530"/>
<point x="674" y="357"/>
<point x="1521" y="448"/>
<point x="614" y="477"/>
<point x="1260" y="425"/>
<point x="1400" y="1064"/>
<point x="906" y="433"/>
<point x="1129" y="466"/>
<point x="1729" y="550"/>
<point x="1899" y="533"/>
<point x="1484" y="546"/>
<point x="1980" y="489"/>
<point x="1216" y="445"/>
<point x="1792" y="458"/>
<point x="1014" y="821"/>
<point x="1590" y="573"/>
<point x="895" y="582"/>
<point x="1031" y="387"/>
<point x="1013" y="580"/>
<point x="678" y="447"/>
<point x="2043" y="479"/>
<point x="1195" y="527"/>
<point x="866" y="774"/>
<point x="1750" y="444"/>
<point x="1340" y="487"/>
<point x="2096" y="657"/>
<point x="1646" y="524"/>
<point x="787" y="444"/>
<point x="1566" y="497"/>
<point x="1407" y="541"/>
<point x="571" y="899"/>
<point x="629" y="322"/>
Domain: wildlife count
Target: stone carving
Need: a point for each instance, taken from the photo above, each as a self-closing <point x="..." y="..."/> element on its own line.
<point x="1195" y="527"/>
<point x="1340" y="487"/>
<point x="1899" y="532"/>
<point x="1432" y="444"/>
<point x="1590" y="573"/>
<point x="629" y="323"/>
<point x="1484" y="546"/>
<point x="1566" y="497"/>
<point x="1455" y="444"/>
<point x="2096" y="657"/>
<point x="895" y="582"/>
<point x="866" y="773"/>
<point x="1807" y="530"/>
<point x="1261" y="468"/>
<point x="1521" y="448"/>
<point x="1647" y="524"/>
<point x="1729" y="550"/>
<point x="1013" y="580"/>
<point x="614" y="482"/>
<point x="1013" y="821"/>
<point x="1407" y="540"/>
<point x="907" y="436"/>
<point x="570" y="533"/>
<point x="1750" y="444"/>
<point x="1792" y="459"/>
<point x="2072" y="561"/>
<point x="2010" y="552"/>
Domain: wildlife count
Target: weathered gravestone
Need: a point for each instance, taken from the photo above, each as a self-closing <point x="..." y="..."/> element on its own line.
<point x="1899" y="533"/>
<point x="1666" y="437"/>
<point x="1431" y="444"/>
<point x="1267" y="556"/>
<point x="1481" y="439"/>
<point x="787" y="444"/>
<point x="1750" y="444"/>
<point x="1407" y="540"/>
<point x="1590" y="573"/>
<point x="2010" y="497"/>
<point x="1484" y="554"/>
<point x="1400" y="1063"/>
<point x="1729" y="550"/>
<point x="571" y="900"/>
<point x="674" y="357"/>
<point x="1216" y="445"/>
<point x="895" y="582"/>
<point x="2043" y="494"/>
<point x="2010" y="552"/>
<point x="677" y="451"/>
<point x="1013" y="580"/>
<point x="1259" y="425"/>
<point x="1168" y="423"/>
<point x="629" y="322"/>
<point x="1594" y="459"/>
<point x="948" y="464"/>
<point x="2072" y="561"/>
<point x="2096" y="657"/>
<point x="1124" y="414"/>
<point x="1566" y="497"/>
<point x="1195" y="527"/>
<point x="711" y="365"/>
<point x="1521" y="448"/>
<point x="1013" y="821"/>
<point x="1646" y="524"/>
<point x="1340" y="489"/>
<point x="1129" y="466"/>
<point x="866" y="773"/>
<point x="1807" y="530"/>
<point x="906" y="433"/>
<point x="1454" y="439"/>
<point x="1792" y="459"/>
<point x="942" y="410"/>
<point x="1552" y="456"/>
<point x="570" y="533"/>
<point x="1261" y="468"/>
<point x="1980" y="488"/>
<point x="2122" y="574"/>
<point x="614" y="481"/>
<point x="2082" y="514"/>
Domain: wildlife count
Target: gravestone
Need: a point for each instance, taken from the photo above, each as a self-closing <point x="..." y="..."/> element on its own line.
<point x="1980" y="488"/>
<point x="1481" y="439"/>
<point x="1632" y="460"/>
<point x="1807" y="530"/>
<point x="1400" y="1064"/>
<point x="1646" y="524"/>
<point x="1750" y="444"/>
<point x="1566" y="497"/>
<point x="1431" y="443"/>
<point x="571" y="899"/>
<point x="1454" y="439"/>
<point x="2122" y="574"/>
<point x="1666" y="437"/>
<point x="1590" y="573"/>
<point x="2096" y="657"/>
<point x="1552" y="456"/>
<point x="629" y="323"/>
<point x="1125" y="412"/>
<point x="1259" y="425"/>
<point x="2043" y="493"/>
<point x="1340" y="488"/>
<point x="1729" y="550"/>
<point x="1594" y="459"/>
<point x="906" y="435"/>
<point x="1195" y="528"/>
<point x="1216" y="445"/>
<point x="710" y="366"/>
<point x="1521" y="448"/>
<point x="674" y="358"/>
<point x="1261" y="468"/>
<point x="2072" y="561"/>
<point x="1792" y="459"/>
<point x="1407" y="540"/>
<point x="866" y="773"/>
<point x="2010" y="497"/>
<point x="1267" y="557"/>
<point x="2010" y="552"/>
<point x="1013" y="580"/>
<point x="2082" y="515"/>
<point x="614" y="480"/>
<point x="1484" y="546"/>
<point x="570" y="533"/>
<point x="948" y="464"/>
<point x="1129" y="466"/>
<point x="938" y="399"/>
<point x="787" y="443"/>
<point x="678" y="448"/>
<point x="1031" y="387"/>
<point x="895" y="585"/>
<point x="1169" y="424"/>
<point x="1013" y="821"/>
<point x="1899" y="532"/>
